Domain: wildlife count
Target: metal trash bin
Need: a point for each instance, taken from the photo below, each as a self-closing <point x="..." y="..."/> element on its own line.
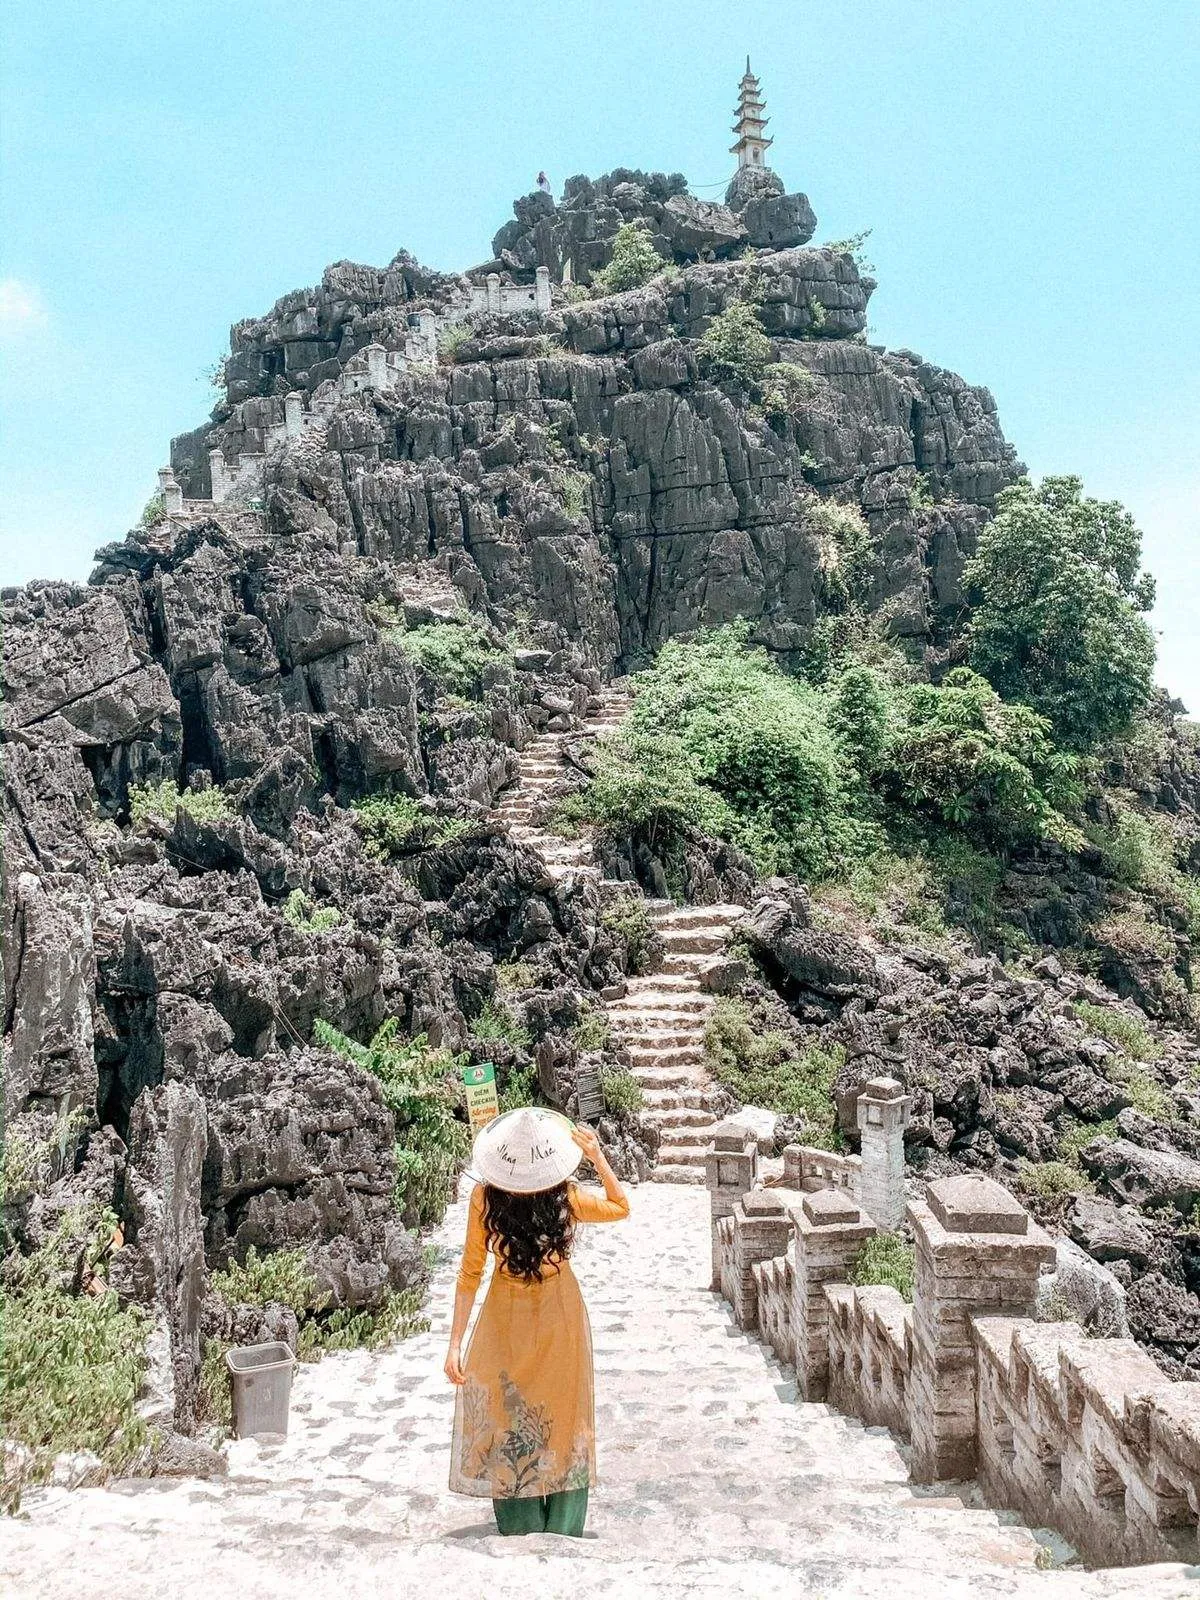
<point x="261" y="1378"/>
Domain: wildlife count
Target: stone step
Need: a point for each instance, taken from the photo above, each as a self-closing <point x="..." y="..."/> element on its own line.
<point x="700" y="944"/>
<point x="666" y="1078"/>
<point x="672" y="1172"/>
<point x="693" y="916"/>
<point x="682" y="1155"/>
<point x="667" y="1099"/>
<point x="679" y="1117"/>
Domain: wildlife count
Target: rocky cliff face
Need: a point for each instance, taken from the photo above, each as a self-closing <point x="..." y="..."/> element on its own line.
<point x="563" y="491"/>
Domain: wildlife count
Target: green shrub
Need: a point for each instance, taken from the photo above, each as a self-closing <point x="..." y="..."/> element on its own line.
<point x="573" y="486"/>
<point x="853" y="247"/>
<point x="847" y="551"/>
<point x="718" y="717"/>
<point x="1056" y="621"/>
<point x="299" y="912"/>
<point x="787" y="389"/>
<point x="1140" y="852"/>
<point x="628" y="918"/>
<point x="281" y="1276"/>
<point x="1126" y="1032"/>
<point x="1051" y="1180"/>
<point x="453" y="654"/>
<point x="496" y="1022"/>
<point x="154" y="510"/>
<point x="760" y="1067"/>
<point x="514" y="975"/>
<point x="634" y="260"/>
<point x="622" y="1092"/>
<point x="163" y="799"/>
<point x="422" y="1089"/>
<point x="859" y="713"/>
<point x="886" y="1258"/>
<point x="592" y="1031"/>
<point x="988" y="768"/>
<point x="450" y="341"/>
<point x="394" y="825"/>
<point x="734" y="345"/>
<point x="520" y="1087"/>
<point x="818" y="316"/>
<point x="1145" y="1093"/>
<point x="71" y="1364"/>
<point x="1074" y="1136"/>
<point x="398" y="1316"/>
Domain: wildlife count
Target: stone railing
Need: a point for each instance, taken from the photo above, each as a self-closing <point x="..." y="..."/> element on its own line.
<point x="372" y="368"/>
<point x="1081" y="1434"/>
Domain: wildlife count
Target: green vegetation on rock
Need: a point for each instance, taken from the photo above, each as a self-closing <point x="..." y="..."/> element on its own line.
<point x="1057" y="622"/>
<point x="634" y="260"/>
<point x="734" y="346"/>
<point x="394" y="825"/>
<point x="71" y="1359"/>
<point x="300" y="913"/>
<point x="887" y="1258"/>
<point x="453" y="654"/>
<point x="761" y="1067"/>
<point x="422" y="1089"/>
<point x="164" y="799"/>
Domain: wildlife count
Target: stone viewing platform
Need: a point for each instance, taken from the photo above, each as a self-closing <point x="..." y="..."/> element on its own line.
<point x="1083" y="1435"/>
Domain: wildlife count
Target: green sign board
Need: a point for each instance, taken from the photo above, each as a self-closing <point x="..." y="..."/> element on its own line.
<point x="482" y="1101"/>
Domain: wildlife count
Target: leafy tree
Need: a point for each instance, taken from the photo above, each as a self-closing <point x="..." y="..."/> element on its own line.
<point x="735" y="346"/>
<point x="991" y="769"/>
<point x="1056" y="622"/>
<point x="634" y="260"/>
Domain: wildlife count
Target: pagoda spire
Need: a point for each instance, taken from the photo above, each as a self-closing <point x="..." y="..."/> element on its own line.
<point x="750" y="126"/>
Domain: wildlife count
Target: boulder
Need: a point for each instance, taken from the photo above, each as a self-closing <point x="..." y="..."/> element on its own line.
<point x="779" y="221"/>
<point x="696" y="227"/>
<point x="1084" y="1291"/>
<point x="1144" y="1177"/>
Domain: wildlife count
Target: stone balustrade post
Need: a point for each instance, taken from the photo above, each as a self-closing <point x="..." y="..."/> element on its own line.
<point x="172" y="493"/>
<point x="493" y="292"/>
<point x="376" y="366"/>
<point x="977" y="1251"/>
<point x="293" y="414"/>
<point x="761" y="1231"/>
<point x="830" y="1230"/>
<point x="883" y="1115"/>
<point x="541" y="293"/>
<point x="218" y="475"/>
<point x="730" y="1171"/>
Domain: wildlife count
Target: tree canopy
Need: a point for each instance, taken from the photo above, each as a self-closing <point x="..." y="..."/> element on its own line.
<point x="1057" y="595"/>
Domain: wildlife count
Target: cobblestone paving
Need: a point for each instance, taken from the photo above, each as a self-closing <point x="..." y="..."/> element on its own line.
<point x="714" y="1481"/>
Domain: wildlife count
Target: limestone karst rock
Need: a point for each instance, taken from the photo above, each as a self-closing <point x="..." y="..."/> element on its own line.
<point x="567" y="486"/>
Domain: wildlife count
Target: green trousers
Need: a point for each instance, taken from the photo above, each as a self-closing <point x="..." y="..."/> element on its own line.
<point x="552" y="1513"/>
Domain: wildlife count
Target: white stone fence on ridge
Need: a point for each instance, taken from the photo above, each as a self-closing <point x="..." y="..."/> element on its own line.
<point x="372" y="368"/>
<point x="1081" y="1434"/>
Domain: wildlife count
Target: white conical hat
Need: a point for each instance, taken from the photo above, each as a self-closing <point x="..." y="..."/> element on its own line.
<point x="525" y="1151"/>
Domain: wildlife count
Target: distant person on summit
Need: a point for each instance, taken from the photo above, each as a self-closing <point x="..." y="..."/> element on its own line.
<point x="543" y="183"/>
<point x="524" y="1430"/>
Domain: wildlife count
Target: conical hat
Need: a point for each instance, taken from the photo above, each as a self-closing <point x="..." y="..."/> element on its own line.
<point x="525" y="1151"/>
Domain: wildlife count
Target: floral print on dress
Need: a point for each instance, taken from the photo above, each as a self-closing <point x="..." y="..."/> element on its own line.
<point x="523" y="1420"/>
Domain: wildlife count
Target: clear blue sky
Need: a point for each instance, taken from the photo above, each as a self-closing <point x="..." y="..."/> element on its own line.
<point x="1030" y="172"/>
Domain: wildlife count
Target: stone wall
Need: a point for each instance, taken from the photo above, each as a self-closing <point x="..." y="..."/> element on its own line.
<point x="1077" y="1433"/>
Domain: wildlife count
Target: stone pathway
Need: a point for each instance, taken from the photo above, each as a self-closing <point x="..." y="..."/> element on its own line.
<point x="660" y="1021"/>
<point x="714" y="1480"/>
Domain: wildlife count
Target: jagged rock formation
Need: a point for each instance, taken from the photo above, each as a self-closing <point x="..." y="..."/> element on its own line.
<point x="569" y="488"/>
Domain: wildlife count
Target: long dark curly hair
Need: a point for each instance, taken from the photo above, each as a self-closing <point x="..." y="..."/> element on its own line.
<point x="532" y="1233"/>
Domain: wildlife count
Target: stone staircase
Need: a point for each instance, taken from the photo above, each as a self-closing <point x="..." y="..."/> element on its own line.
<point x="715" y="1483"/>
<point x="659" y="1022"/>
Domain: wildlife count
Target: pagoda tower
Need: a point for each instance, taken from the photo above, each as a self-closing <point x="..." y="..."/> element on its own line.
<point x="750" y="124"/>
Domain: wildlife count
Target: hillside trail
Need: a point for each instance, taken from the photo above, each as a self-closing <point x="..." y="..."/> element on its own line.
<point x="714" y="1479"/>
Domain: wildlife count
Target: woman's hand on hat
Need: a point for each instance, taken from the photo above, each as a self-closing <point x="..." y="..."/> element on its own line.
<point x="588" y="1141"/>
<point x="454" y="1367"/>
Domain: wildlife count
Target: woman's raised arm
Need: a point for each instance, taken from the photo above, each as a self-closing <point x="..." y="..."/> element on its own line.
<point x="587" y="1204"/>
